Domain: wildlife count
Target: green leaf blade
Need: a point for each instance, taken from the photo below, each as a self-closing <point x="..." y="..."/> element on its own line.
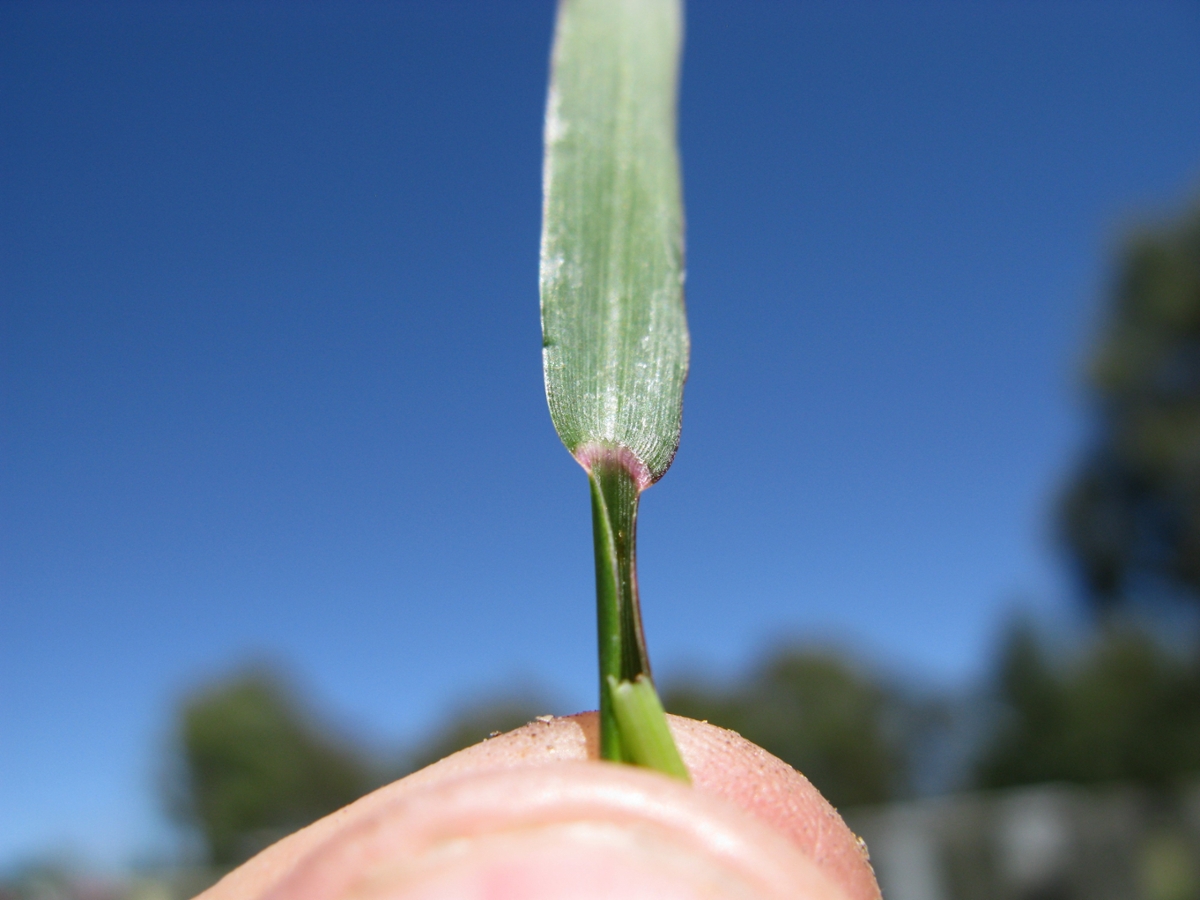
<point x="614" y="331"/>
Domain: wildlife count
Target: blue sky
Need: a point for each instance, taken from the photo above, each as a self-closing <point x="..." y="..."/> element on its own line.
<point x="270" y="355"/>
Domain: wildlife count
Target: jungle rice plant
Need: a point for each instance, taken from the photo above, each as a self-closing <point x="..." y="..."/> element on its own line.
<point x="614" y="332"/>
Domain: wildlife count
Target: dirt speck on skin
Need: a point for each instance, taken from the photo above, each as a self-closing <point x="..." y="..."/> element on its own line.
<point x="862" y="848"/>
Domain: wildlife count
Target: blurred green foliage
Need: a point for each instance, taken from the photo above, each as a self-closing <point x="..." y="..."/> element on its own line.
<point x="1124" y="709"/>
<point x="256" y="766"/>
<point x="817" y="712"/>
<point x="1131" y="513"/>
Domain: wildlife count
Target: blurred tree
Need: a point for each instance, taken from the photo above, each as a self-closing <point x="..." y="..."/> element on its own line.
<point x="255" y="767"/>
<point x="1131" y="513"/>
<point x="1126" y="709"/>
<point x="817" y="713"/>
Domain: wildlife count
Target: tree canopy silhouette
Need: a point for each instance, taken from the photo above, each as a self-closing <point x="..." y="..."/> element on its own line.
<point x="1124" y="709"/>
<point x="255" y="766"/>
<point x="816" y="712"/>
<point x="1131" y="513"/>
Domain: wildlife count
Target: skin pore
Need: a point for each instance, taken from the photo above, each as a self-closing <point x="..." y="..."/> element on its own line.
<point x="534" y="814"/>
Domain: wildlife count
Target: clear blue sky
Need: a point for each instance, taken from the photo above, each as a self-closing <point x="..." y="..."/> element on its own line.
<point x="270" y="354"/>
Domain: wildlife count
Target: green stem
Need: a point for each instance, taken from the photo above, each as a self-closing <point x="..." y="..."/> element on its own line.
<point x="623" y="659"/>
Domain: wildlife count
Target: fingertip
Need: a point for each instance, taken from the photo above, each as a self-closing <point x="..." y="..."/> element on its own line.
<point x="573" y="831"/>
<point x="726" y="765"/>
<point x="729" y="773"/>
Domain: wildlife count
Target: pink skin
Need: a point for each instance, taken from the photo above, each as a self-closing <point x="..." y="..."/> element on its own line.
<point x="533" y="815"/>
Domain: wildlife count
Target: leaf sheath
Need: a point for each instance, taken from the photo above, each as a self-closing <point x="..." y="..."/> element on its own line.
<point x="622" y="646"/>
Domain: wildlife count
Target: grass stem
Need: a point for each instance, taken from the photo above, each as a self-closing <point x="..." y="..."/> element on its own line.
<point x="633" y="726"/>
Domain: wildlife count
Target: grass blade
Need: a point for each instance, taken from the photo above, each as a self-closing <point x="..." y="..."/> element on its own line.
<point x="614" y="334"/>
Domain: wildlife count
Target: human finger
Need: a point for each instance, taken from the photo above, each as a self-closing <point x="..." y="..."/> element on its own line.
<point x="739" y="789"/>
